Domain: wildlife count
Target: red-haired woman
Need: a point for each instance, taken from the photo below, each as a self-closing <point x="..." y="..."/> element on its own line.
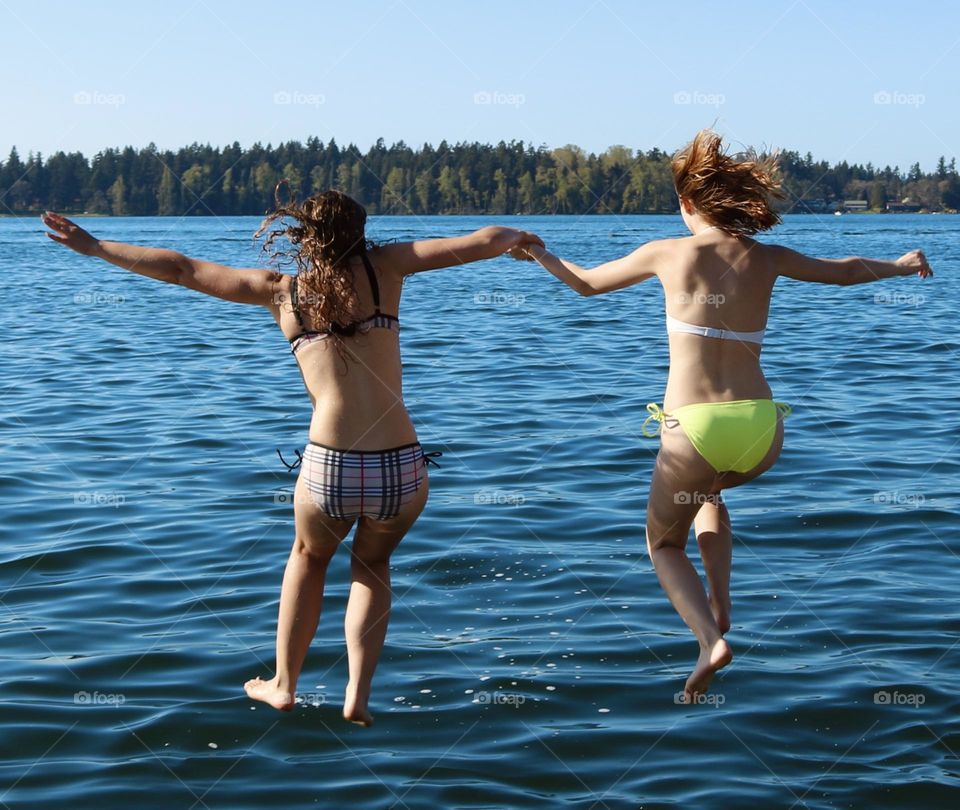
<point x="363" y="465"/>
<point x="720" y="425"/>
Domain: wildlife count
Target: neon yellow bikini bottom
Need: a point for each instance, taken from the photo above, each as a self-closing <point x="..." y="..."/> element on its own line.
<point x="731" y="436"/>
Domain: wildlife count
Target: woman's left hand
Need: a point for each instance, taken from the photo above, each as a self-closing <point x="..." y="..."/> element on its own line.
<point x="528" y="251"/>
<point x="69" y="234"/>
<point x="915" y="262"/>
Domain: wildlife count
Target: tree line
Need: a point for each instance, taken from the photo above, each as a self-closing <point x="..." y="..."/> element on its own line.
<point x="462" y="178"/>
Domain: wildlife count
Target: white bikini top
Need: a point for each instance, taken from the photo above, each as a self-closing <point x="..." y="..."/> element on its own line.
<point x="674" y="325"/>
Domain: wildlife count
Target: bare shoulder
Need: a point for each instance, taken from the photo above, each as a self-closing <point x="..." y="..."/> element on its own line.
<point x="284" y="286"/>
<point x="676" y="245"/>
<point x="656" y="251"/>
<point x="392" y="257"/>
<point x="786" y="261"/>
<point x="282" y="296"/>
<point x="661" y="246"/>
<point x="777" y="253"/>
<point x="668" y="253"/>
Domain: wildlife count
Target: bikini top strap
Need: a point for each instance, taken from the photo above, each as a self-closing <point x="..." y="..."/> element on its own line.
<point x="295" y="302"/>
<point x="372" y="278"/>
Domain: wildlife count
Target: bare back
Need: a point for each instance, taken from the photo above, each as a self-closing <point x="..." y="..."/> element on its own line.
<point x="357" y="393"/>
<point x="724" y="282"/>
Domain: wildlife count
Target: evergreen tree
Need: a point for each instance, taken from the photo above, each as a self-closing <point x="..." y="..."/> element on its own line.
<point x="167" y="194"/>
<point x="423" y="191"/>
<point x="118" y="197"/>
<point x="527" y="192"/>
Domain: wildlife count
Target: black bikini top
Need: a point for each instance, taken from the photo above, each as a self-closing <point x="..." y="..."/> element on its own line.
<point x="378" y="320"/>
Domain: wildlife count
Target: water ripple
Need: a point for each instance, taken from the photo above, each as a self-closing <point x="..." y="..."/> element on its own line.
<point x="532" y="660"/>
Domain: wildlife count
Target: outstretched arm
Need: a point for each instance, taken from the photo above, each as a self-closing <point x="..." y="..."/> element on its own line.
<point x="432" y="254"/>
<point x="853" y="270"/>
<point x="252" y="286"/>
<point x="615" y="275"/>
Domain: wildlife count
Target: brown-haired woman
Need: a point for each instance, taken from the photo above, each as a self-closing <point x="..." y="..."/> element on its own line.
<point x="721" y="427"/>
<point x="363" y="465"/>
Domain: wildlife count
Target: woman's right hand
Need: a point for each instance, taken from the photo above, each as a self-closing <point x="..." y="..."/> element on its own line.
<point x="69" y="233"/>
<point x="915" y="262"/>
<point x="506" y="240"/>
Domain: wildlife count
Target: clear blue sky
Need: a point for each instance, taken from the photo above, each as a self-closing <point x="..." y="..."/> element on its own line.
<point x="799" y="74"/>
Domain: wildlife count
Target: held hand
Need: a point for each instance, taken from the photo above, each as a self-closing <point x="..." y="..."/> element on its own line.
<point x="528" y="251"/>
<point x="915" y="262"/>
<point x="69" y="233"/>
<point x="507" y="239"/>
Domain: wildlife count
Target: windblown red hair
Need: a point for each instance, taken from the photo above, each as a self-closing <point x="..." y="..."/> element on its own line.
<point x="733" y="192"/>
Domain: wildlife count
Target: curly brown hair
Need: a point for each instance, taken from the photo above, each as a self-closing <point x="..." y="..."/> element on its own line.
<point x="327" y="229"/>
<point x="733" y="192"/>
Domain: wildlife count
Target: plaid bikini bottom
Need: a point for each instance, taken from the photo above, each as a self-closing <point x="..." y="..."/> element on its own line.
<point x="348" y="484"/>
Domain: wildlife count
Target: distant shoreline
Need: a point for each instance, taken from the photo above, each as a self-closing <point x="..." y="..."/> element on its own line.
<point x="475" y="216"/>
<point x="462" y="179"/>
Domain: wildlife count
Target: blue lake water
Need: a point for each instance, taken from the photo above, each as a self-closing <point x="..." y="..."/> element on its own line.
<point x="532" y="659"/>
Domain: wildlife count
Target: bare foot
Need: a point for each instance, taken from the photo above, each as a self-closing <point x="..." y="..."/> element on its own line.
<point x="354" y="709"/>
<point x="721" y="613"/>
<point x="710" y="662"/>
<point x="269" y="692"/>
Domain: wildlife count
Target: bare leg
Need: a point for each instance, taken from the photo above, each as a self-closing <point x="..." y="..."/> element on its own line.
<point x="714" y="536"/>
<point x="681" y="478"/>
<point x="683" y="587"/>
<point x="368" y="608"/>
<point x="365" y="627"/>
<point x="301" y="598"/>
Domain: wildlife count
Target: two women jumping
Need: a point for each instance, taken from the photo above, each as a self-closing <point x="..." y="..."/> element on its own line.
<point x="363" y="466"/>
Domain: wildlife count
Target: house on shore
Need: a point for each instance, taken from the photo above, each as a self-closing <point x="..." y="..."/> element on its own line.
<point x="851" y="206"/>
<point x="904" y="207"/>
